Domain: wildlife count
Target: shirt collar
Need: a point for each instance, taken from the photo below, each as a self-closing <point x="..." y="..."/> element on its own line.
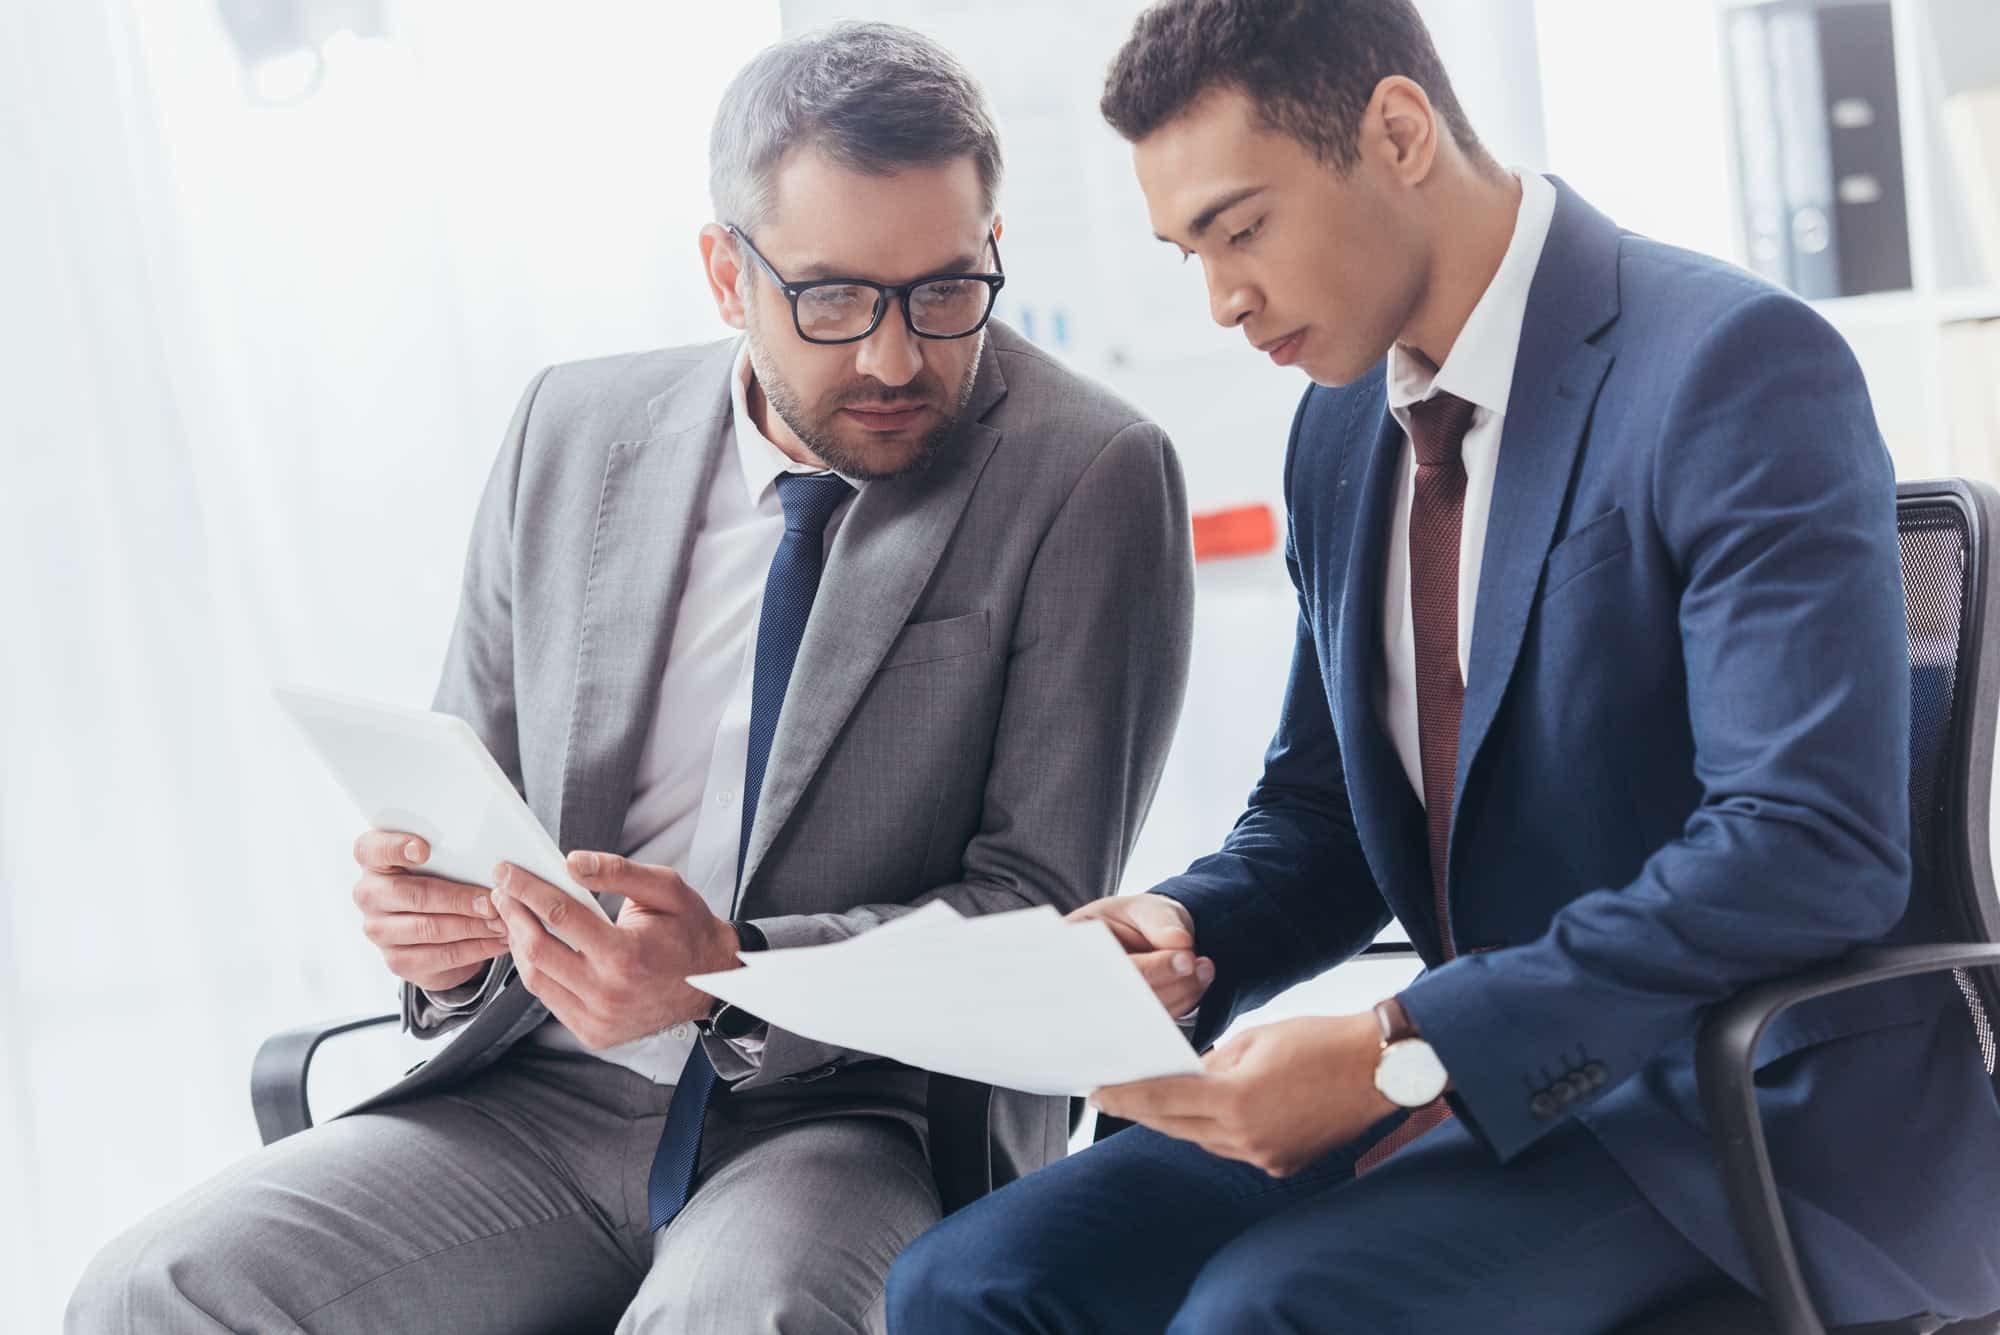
<point x="762" y="462"/>
<point x="1480" y="368"/>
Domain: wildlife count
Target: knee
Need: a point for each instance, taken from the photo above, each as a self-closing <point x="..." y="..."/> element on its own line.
<point x="97" y="1303"/>
<point x="1265" y="1296"/>
<point x="764" y="1292"/>
<point x="737" y="1305"/>
<point x="127" y="1287"/>
<point x="1239" y="1299"/>
<point x="958" y="1278"/>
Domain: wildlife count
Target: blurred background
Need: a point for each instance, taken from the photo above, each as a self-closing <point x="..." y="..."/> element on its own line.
<point x="273" y="273"/>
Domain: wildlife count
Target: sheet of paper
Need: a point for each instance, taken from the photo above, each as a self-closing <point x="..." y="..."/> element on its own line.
<point x="1022" y="1000"/>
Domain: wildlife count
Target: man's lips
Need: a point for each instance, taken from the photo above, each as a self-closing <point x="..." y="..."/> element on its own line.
<point x="885" y="417"/>
<point x="1284" y="350"/>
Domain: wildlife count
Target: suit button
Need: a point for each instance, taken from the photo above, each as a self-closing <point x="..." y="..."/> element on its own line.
<point x="1596" y="1074"/>
<point x="1563" y="1090"/>
<point x="1579" y="1085"/>
<point x="1543" y="1105"/>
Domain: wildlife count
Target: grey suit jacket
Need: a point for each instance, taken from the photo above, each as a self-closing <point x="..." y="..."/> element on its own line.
<point x="983" y="700"/>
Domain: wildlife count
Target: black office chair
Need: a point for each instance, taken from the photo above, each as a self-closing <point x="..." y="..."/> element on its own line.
<point x="1947" y="533"/>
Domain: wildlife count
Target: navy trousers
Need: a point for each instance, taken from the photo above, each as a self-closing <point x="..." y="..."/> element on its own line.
<point x="1146" y="1233"/>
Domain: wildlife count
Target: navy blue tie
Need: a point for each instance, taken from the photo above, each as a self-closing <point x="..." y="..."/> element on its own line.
<point x="789" y="589"/>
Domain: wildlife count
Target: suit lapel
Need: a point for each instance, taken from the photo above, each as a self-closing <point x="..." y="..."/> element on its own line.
<point x="649" y="514"/>
<point x="1557" y="377"/>
<point x="881" y="561"/>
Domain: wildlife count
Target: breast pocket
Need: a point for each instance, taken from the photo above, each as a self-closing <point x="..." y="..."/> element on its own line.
<point x="929" y="641"/>
<point x="1603" y="539"/>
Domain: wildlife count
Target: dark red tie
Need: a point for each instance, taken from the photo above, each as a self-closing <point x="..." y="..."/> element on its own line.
<point x="1437" y="512"/>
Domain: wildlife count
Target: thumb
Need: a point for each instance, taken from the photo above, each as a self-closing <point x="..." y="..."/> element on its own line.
<point x="640" y="883"/>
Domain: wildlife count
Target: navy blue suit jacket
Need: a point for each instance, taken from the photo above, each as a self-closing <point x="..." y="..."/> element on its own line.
<point x="1683" y="769"/>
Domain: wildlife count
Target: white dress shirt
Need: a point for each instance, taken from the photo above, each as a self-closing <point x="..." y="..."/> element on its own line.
<point x="687" y="797"/>
<point x="1480" y="370"/>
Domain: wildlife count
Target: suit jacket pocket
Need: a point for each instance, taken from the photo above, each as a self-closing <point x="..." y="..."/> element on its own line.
<point x="928" y="641"/>
<point x="1598" y="541"/>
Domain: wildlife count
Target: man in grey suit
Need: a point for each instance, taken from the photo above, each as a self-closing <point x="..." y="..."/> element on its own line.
<point x="782" y="637"/>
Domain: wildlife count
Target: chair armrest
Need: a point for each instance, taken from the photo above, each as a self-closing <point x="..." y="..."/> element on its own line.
<point x="1723" y="1057"/>
<point x="278" y="1075"/>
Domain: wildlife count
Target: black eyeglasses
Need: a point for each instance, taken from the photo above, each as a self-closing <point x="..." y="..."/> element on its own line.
<point x="847" y="310"/>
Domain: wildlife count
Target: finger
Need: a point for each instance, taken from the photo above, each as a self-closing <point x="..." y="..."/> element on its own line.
<point x="1115" y="914"/>
<point x="429" y="929"/>
<point x="1178" y="977"/>
<point x="1164" y="921"/>
<point x="390" y="850"/>
<point x="560" y="913"/>
<point x="380" y="892"/>
<point x="537" y="951"/>
<point x="1198" y="1130"/>
<point x="1189" y="1096"/>
<point x="652" y="887"/>
<point x="1128" y="936"/>
<point x="564" y="1004"/>
<point x="419" y="961"/>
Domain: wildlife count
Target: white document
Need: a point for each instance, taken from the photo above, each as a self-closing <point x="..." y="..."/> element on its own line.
<point x="428" y="774"/>
<point x="1022" y="1000"/>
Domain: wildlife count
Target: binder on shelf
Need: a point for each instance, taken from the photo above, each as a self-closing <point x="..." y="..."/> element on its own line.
<point x="1819" y="145"/>
<point x="1857" y="56"/>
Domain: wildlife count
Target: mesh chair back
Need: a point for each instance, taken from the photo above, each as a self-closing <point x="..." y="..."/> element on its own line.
<point x="1944" y="530"/>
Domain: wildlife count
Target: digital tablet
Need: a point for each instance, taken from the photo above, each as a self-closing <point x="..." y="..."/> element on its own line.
<point x="428" y="774"/>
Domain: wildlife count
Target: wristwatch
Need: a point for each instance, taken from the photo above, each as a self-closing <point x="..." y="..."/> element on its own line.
<point x="727" y="1021"/>
<point x="1408" y="1071"/>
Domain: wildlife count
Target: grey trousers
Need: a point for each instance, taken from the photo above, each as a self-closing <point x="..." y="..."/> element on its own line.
<point x="517" y="1203"/>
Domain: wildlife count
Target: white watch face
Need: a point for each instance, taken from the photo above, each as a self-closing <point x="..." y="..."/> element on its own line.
<point x="1409" y="1073"/>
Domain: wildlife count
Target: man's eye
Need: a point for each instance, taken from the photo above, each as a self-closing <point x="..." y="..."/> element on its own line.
<point x="1247" y="234"/>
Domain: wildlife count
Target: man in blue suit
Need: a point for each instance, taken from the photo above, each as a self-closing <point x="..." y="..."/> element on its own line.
<point x="1601" y="689"/>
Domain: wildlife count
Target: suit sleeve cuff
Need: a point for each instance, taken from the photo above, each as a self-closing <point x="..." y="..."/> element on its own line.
<point x="428" y="1014"/>
<point x="1455" y="1011"/>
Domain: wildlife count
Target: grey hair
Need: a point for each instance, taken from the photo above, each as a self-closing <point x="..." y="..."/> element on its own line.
<point x="873" y="97"/>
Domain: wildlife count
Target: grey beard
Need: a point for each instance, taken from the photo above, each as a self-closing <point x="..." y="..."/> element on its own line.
<point x="828" y="447"/>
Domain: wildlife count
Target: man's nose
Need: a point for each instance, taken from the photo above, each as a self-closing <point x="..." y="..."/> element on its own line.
<point x="1230" y="302"/>
<point x="891" y="354"/>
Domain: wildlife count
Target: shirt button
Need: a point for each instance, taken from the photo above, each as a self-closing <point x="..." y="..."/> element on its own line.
<point x="679" y="1033"/>
<point x="724" y="798"/>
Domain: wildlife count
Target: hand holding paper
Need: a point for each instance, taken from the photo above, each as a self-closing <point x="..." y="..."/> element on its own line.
<point x="1022" y="1000"/>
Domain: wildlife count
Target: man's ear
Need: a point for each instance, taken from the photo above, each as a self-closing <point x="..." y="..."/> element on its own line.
<point x="1401" y="129"/>
<point x="722" y="264"/>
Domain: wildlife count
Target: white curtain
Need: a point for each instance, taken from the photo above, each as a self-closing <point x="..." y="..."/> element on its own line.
<point x="257" y="360"/>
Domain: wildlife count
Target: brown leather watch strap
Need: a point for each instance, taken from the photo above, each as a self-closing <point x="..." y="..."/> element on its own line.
<point x="1394" y="1021"/>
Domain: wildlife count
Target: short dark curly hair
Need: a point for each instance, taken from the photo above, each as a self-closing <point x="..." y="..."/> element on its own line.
<point x="1309" y="66"/>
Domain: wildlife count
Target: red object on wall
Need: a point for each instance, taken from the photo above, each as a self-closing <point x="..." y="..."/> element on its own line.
<point x="1244" y="530"/>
